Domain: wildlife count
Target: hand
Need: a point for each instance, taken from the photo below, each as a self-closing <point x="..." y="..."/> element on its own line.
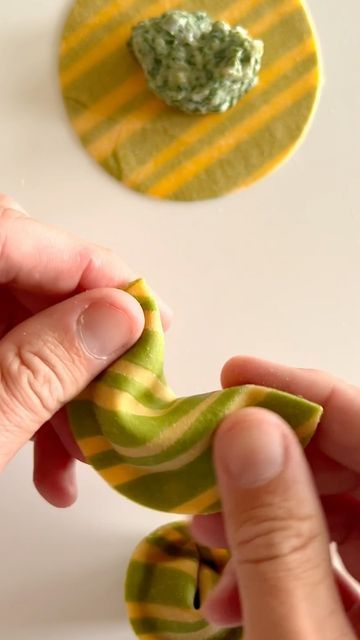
<point x="62" y="322"/>
<point x="280" y="581"/>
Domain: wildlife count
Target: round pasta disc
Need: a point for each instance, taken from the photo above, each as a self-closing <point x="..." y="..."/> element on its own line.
<point x="168" y="579"/>
<point x="160" y="151"/>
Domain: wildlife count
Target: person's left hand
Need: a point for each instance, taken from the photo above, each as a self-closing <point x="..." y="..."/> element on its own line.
<point x="63" y="320"/>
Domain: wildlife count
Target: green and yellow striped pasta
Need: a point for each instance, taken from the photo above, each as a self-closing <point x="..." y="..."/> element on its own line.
<point x="168" y="579"/>
<point x="154" y="447"/>
<point x="160" y="151"/>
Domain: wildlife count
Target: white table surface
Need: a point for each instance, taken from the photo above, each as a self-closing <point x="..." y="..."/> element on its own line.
<point x="272" y="271"/>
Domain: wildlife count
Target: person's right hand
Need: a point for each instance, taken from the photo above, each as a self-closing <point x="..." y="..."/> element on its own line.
<point x="280" y="581"/>
<point x="62" y="321"/>
<point x="280" y="562"/>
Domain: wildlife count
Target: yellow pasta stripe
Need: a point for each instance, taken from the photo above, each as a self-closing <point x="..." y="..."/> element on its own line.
<point x="207" y="581"/>
<point x="94" y="444"/>
<point x="238" y="134"/>
<point x="121" y="473"/>
<point x="304" y="431"/>
<point x="144" y="377"/>
<point x="112" y="399"/>
<point x="198" y="504"/>
<point x="151" y="554"/>
<point x="152" y="320"/>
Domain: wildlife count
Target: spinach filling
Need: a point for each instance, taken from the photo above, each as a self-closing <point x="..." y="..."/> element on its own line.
<point x="194" y="63"/>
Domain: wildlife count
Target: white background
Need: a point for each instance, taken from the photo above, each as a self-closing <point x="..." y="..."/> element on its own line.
<point x="272" y="271"/>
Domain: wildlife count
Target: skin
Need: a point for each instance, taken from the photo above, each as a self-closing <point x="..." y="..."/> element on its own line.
<point x="47" y="280"/>
<point x="278" y="528"/>
<point x="280" y="563"/>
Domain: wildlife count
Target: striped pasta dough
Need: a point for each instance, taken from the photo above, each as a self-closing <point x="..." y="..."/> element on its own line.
<point x="153" y="447"/>
<point x="160" y="151"/>
<point x="168" y="579"/>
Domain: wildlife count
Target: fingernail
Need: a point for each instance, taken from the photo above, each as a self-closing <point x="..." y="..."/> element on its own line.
<point x="104" y="330"/>
<point x="252" y="447"/>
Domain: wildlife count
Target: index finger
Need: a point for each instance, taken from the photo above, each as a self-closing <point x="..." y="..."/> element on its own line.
<point x="338" y="434"/>
<point x="42" y="259"/>
<point x="46" y="261"/>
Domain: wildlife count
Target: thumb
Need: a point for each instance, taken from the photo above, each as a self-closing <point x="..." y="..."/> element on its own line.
<point x="276" y="532"/>
<point x="48" y="359"/>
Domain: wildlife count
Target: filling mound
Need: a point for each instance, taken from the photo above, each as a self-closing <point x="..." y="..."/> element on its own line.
<point x="194" y="63"/>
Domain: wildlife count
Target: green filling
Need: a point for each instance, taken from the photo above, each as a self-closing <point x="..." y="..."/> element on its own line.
<point x="195" y="64"/>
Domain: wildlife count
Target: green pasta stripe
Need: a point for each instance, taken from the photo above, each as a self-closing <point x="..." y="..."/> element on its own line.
<point x="83" y="419"/>
<point x="134" y="388"/>
<point x="104" y="460"/>
<point x="293" y="410"/>
<point x="154" y="583"/>
<point x="148" y="353"/>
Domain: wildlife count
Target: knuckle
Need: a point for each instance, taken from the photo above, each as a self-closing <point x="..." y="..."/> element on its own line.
<point x="96" y="258"/>
<point x="90" y="262"/>
<point x="32" y="380"/>
<point x="269" y="534"/>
